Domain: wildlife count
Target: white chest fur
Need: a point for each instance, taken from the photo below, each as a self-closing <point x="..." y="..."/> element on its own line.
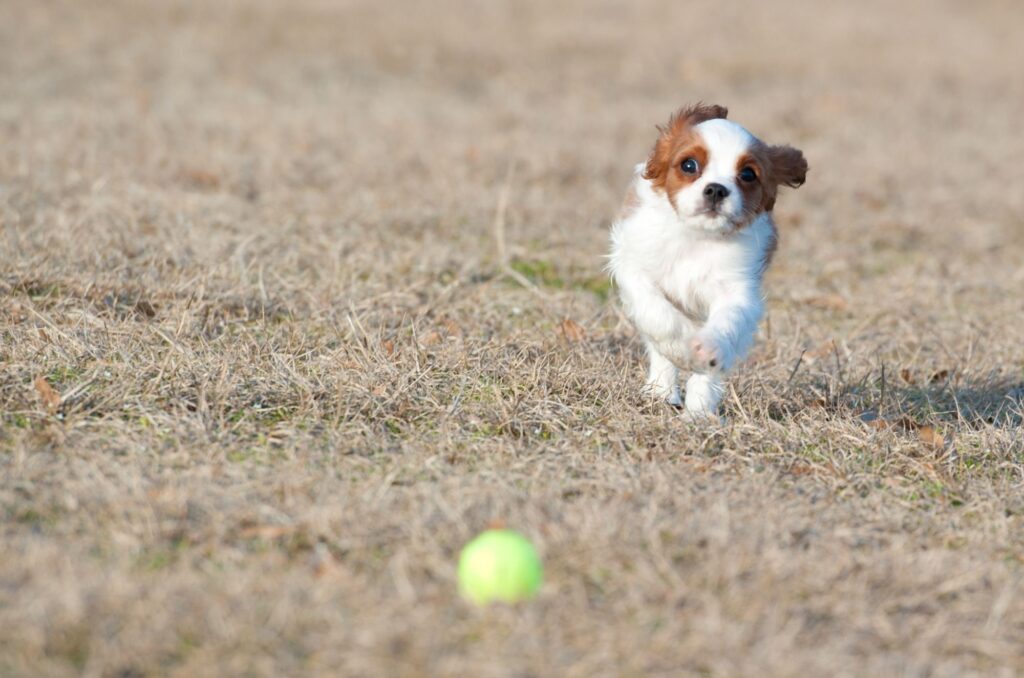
<point x="694" y="296"/>
<point x="692" y="268"/>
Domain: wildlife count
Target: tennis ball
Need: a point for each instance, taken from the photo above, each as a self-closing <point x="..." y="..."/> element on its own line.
<point x="499" y="565"/>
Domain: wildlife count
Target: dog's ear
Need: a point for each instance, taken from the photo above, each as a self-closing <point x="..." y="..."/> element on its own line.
<point x="661" y="155"/>
<point x="678" y="124"/>
<point x="788" y="166"/>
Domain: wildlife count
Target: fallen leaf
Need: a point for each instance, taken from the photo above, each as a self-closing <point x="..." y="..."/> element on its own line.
<point x="145" y="308"/>
<point x="200" y="178"/>
<point x="572" y="330"/>
<point x="828" y="302"/>
<point x="48" y="394"/>
<point x="801" y="469"/>
<point x="929" y="436"/>
<point x="451" y="327"/>
<point x="926" y="433"/>
<point x="882" y="425"/>
<point x="820" y="403"/>
<point x="907" y="376"/>
<point x="430" y="338"/>
<point x="939" y="376"/>
<point x="823" y="350"/>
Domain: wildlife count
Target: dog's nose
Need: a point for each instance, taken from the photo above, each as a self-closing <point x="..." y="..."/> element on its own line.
<point x="715" y="193"/>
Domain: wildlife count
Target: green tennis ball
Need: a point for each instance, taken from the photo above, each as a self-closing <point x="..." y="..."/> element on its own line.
<point x="499" y="565"/>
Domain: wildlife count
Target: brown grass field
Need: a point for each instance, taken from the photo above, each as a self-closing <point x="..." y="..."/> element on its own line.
<point x="297" y="297"/>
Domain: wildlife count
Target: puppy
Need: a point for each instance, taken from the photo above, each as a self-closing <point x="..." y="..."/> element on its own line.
<point x="691" y="245"/>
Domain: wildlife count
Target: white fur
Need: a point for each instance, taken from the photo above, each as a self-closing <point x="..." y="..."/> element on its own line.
<point x="689" y="281"/>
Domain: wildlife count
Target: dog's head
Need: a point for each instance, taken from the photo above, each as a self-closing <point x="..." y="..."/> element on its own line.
<point x="717" y="175"/>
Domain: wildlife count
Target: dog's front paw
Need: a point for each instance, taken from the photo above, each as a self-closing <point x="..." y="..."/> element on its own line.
<point x="708" y="352"/>
<point x="702" y="417"/>
<point x="660" y="390"/>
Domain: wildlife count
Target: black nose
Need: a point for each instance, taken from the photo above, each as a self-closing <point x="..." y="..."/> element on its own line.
<point x="715" y="193"/>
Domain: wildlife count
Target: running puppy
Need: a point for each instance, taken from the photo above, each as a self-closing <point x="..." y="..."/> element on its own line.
<point x="691" y="245"/>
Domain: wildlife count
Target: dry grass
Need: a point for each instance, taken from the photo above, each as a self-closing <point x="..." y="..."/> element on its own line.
<point x="252" y="248"/>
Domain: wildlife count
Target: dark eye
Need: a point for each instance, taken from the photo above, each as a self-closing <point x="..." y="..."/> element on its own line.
<point x="748" y="175"/>
<point x="689" y="166"/>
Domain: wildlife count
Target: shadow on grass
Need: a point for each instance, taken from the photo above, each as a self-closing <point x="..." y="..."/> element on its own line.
<point x="955" y="401"/>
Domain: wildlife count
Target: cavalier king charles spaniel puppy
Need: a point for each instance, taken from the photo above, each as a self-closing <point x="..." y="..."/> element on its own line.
<point x="690" y="247"/>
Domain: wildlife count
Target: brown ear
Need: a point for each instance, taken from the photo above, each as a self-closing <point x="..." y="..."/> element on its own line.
<point x="786" y="167"/>
<point x="789" y="167"/>
<point x="678" y="123"/>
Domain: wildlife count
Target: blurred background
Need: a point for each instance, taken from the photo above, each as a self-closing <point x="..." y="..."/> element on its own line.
<point x="298" y="296"/>
<point x="376" y="113"/>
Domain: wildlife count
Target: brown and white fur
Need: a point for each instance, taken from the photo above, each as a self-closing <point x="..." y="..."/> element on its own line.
<point x="691" y="245"/>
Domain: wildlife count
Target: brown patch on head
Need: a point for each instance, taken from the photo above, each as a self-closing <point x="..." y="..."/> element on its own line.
<point x="677" y="142"/>
<point x="757" y="193"/>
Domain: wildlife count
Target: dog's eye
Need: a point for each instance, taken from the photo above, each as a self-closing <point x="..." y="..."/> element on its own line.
<point x="748" y="175"/>
<point x="689" y="166"/>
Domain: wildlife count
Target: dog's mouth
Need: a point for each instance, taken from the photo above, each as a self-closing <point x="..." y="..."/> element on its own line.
<point x="716" y="219"/>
